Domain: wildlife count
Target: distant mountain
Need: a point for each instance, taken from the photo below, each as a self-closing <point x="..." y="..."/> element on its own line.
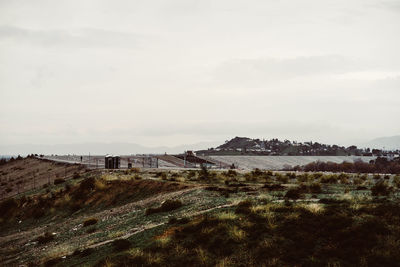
<point x="97" y="149"/>
<point x="389" y="143"/>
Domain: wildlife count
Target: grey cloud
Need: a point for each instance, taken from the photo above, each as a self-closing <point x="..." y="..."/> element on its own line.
<point x="392" y="5"/>
<point x="255" y="71"/>
<point x="86" y="37"/>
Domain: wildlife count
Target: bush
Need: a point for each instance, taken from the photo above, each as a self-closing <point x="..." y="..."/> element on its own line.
<point x="380" y="189"/>
<point x="293" y="193"/>
<point x="257" y="172"/>
<point x="329" y="179"/>
<point x="357" y="181"/>
<point x="230" y="173"/>
<point x="244" y="207"/>
<point x="76" y="175"/>
<point x="90" y="221"/>
<point x="315" y="188"/>
<point x="87" y="185"/>
<point x="191" y="174"/>
<point x="91" y="230"/>
<point x="167" y="205"/>
<point x="7" y="207"/>
<point x="121" y="245"/>
<point x="283" y="179"/>
<point x="164" y="176"/>
<point x="47" y="237"/>
<point x="291" y="175"/>
<point x="51" y="262"/>
<point x="204" y="174"/>
<point x="396" y="181"/>
<point x="174" y="220"/>
<point x="59" y="181"/>
<point x="303" y="178"/>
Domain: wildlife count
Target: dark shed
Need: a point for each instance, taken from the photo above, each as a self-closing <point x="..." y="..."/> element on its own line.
<point x="112" y="162"/>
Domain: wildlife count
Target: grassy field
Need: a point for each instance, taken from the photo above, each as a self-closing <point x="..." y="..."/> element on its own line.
<point x="156" y="217"/>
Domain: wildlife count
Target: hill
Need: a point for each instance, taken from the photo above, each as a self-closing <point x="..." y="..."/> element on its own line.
<point x="276" y="147"/>
<point x="387" y="143"/>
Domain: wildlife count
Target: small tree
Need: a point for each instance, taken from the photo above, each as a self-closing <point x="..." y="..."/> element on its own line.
<point x="204" y="173"/>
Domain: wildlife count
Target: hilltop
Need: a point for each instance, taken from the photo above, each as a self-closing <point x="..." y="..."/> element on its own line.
<point x="276" y="147"/>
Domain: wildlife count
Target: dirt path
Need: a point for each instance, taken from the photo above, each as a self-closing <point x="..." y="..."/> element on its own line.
<point x="151" y="226"/>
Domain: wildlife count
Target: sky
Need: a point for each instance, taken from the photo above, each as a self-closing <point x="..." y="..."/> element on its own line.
<point x="167" y="73"/>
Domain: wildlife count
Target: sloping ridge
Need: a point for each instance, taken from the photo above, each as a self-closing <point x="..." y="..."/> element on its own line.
<point x="218" y="163"/>
<point x="176" y="161"/>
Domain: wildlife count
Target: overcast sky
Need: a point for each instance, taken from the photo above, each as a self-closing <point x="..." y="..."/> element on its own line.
<point x="174" y="72"/>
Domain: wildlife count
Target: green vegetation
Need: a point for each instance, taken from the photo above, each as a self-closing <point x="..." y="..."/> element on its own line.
<point x="205" y="217"/>
<point x="277" y="235"/>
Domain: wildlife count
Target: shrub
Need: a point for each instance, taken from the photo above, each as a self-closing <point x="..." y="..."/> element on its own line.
<point x="357" y="181"/>
<point x="7" y="207"/>
<point x="90" y="221"/>
<point x="135" y="170"/>
<point x="87" y="185"/>
<point x="396" y="181"/>
<point x="303" y="178"/>
<point x="291" y="175"/>
<point x="174" y="220"/>
<point x="315" y="188"/>
<point x="121" y="245"/>
<point x="83" y="253"/>
<point x="293" y="193"/>
<point x="230" y="173"/>
<point x="76" y="175"/>
<point x="8" y="189"/>
<point x="344" y="178"/>
<point x="51" y="262"/>
<point x="204" y="174"/>
<point x="257" y="172"/>
<point x="283" y="179"/>
<point x="167" y="205"/>
<point x="244" y="207"/>
<point x="91" y="230"/>
<point x="380" y="189"/>
<point x="59" y="181"/>
<point x="377" y="176"/>
<point x="329" y="179"/>
<point x="191" y="174"/>
<point x="47" y="237"/>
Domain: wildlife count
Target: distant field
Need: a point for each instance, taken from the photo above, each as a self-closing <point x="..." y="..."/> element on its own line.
<point x="280" y="162"/>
